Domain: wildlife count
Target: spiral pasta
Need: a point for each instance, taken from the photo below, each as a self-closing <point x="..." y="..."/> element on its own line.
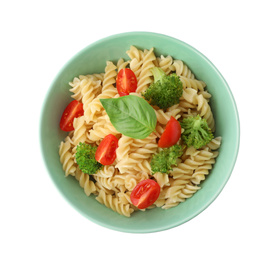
<point x="145" y="77"/>
<point x="79" y="134"/>
<point x="165" y="63"/>
<point x="124" y="147"/>
<point x="85" y="85"/>
<point x="205" y="111"/>
<point x="181" y="69"/>
<point x="136" y="61"/>
<point x="66" y="157"/>
<point x="89" y="92"/>
<point x="88" y="186"/>
<point x="113" y="202"/>
<point x="121" y="64"/>
<point x="108" y="90"/>
<point x="101" y="129"/>
<point x="112" y="184"/>
<point x="177" y="192"/>
<point x="163" y="117"/>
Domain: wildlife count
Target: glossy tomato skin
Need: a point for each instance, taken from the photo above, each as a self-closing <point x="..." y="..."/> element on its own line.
<point x="171" y="134"/>
<point x="126" y="82"/>
<point x="73" y="110"/>
<point x="145" y="193"/>
<point x="106" y="151"/>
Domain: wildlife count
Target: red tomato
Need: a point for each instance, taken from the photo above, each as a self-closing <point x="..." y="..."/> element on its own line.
<point x="126" y="82"/>
<point x="171" y="134"/>
<point x="73" y="110"/>
<point x="106" y="151"/>
<point x="145" y="193"/>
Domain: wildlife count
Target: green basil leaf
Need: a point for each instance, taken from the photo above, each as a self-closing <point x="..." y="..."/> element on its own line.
<point x="131" y="115"/>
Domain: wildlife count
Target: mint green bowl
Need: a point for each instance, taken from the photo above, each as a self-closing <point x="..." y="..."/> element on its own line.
<point x="92" y="59"/>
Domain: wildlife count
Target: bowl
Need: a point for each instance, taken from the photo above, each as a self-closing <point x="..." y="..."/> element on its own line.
<point x="92" y="59"/>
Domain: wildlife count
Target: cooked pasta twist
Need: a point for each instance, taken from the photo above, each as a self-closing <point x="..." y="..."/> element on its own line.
<point x="215" y="143"/>
<point x="89" y="91"/>
<point x="130" y="180"/>
<point x="76" y="88"/>
<point x="189" y="190"/>
<point x="145" y="77"/>
<point x="101" y="129"/>
<point x="174" y="190"/>
<point x="123" y="147"/>
<point x="104" y="183"/>
<point x="163" y="117"/>
<point x="162" y="179"/>
<point x="178" y="192"/>
<point x="136" y="61"/>
<point x="66" y="157"/>
<point x="113" y="203"/>
<point x="205" y="111"/>
<point x="202" y="171"/>
<point x="165" y="63"/>
<point x="85" y="81"/>
<point x="109" y="76"/>
<point x="190" y="95"/>
<point x="196" y="164"/>
<point x="108" y="90"/>
<point x="79" y="135"/>
<point x="198" y="85"/>
<point x="140" y="151"/>
<point x="106" y="172"/>
<point x="124" y="197"/>
<point x="159" y="129"/>
<point x="181" y="69"/>
<point x="165" y="201"/>
<point x="121" y="64"/>
<point x="134" y="53"/>
<point x="85" y="182"/>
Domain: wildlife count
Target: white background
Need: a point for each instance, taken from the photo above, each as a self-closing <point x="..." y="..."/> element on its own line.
<point x="38" y="37"/>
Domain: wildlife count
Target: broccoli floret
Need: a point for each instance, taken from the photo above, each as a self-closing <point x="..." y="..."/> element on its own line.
<point x="85" y="158"/>
<point x="165" y="91"/>
<point x="196" y="132"/>
<point x="165" y="159"/>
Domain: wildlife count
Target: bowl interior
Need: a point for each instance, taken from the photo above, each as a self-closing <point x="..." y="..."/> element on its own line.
<point x="92" y="59"/>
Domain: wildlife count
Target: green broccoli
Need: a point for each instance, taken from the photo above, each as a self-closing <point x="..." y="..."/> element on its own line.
<point x="165" y="159"/>
<point x="196" y="132"/>
<point x="85" y="158"/>
<point x="165" y="91"/>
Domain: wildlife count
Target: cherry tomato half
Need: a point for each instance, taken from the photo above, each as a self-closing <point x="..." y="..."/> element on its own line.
<point x="106" y="151"/>
<point x="145" y="193"/>
<point x="126" y="82"/>
<point x="171" y="134"/>
<point x="73" y="110"/>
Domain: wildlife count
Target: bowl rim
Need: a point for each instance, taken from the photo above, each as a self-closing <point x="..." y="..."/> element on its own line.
<point x="235" y="149"/>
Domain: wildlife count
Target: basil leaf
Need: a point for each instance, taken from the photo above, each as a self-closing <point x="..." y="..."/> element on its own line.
<point x="131" y="115"/>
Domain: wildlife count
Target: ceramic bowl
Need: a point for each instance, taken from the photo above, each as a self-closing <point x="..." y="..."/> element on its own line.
<point x="92" y="59"/>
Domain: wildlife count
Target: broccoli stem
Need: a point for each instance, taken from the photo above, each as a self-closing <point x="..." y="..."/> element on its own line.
<point x="197" y="124"/>
<point x="158" y="74"/>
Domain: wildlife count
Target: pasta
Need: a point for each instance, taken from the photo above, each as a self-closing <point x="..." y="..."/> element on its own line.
<point x="66" y="157"/>
<point x="112" y="184"/>
<point x="181" y="69"/>
<point x="88" y="186"/>
<point x="145" y="76"/>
